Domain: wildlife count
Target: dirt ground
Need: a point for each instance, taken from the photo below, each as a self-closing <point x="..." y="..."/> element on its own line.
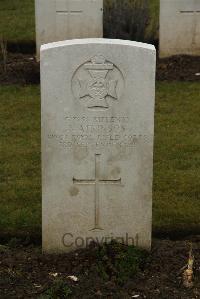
<point x="180" y="68"/>
<point x="19" y="69"/>
<point x="23" y="69"/>
<point x="26" y="273"/>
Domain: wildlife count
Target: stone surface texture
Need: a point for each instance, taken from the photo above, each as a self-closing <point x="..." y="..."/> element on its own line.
<point x="179" y="27"/>
<point x="97" y="142"/>
<point x="58" y="20"/>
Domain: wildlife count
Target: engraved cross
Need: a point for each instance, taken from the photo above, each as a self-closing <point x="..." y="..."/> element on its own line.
<point x="97" y="181"/>
<point x="69" y="12"/>
<point x="190" y="11"/>
<point x="195" y="14"/>
<point x="68" y="8"/>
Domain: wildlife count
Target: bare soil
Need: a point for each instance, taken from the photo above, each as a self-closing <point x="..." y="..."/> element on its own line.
<point x="23" y="69"/>
<point x="180" y="68"/>
<point x="19" y="69"/>
<point x="26" y="273"/>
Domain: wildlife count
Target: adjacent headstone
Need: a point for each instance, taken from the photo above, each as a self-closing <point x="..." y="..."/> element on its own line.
<point x="179" y="27"/>
<point x="58" y="20"/>
<point x="97" y="142"/>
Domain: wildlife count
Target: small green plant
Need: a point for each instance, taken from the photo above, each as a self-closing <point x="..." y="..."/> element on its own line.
<point x="119" y="262"/>
<point x="58" y="290"/>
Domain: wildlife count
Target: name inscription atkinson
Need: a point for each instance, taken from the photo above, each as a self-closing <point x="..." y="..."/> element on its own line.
<point x="97" y="132"/>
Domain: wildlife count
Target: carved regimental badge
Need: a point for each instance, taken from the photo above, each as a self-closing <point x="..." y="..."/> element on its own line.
<point x="97" y="83"/>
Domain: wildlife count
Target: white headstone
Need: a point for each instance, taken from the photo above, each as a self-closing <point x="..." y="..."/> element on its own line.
<point x="97" y="142"/>
<point x="179" y="27"/>
<point x="58" y="20"/>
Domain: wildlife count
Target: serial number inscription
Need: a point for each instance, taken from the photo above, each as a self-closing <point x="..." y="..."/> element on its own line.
<point x="98" y="119"/>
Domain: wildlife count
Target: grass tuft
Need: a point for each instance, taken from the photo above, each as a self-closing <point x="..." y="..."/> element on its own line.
<point x="58" y="290"/>
<point x="119" y="263"/>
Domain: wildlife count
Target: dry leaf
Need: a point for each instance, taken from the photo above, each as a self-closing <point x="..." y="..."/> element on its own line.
<point x="72" y="277"/>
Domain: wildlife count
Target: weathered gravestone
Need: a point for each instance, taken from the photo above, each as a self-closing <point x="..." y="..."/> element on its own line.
<point x="179" y="27"/>
<point x="97" y="142"/>
<point x="58" y="20"/>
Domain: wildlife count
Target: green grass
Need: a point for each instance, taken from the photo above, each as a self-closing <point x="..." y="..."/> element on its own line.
<point x="177" y="157"/>
<point x="17" y="20"/>
<point x="20" y="179"/>
<point x="176" y="163"/>
<point x="153" y="27"/>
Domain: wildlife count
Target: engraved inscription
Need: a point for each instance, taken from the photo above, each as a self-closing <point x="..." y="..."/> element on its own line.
<point x="84" y="140"/>
<point x="97" y="181"/>
<point x="97" y="132"/>
<point x="97" y="83"/>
